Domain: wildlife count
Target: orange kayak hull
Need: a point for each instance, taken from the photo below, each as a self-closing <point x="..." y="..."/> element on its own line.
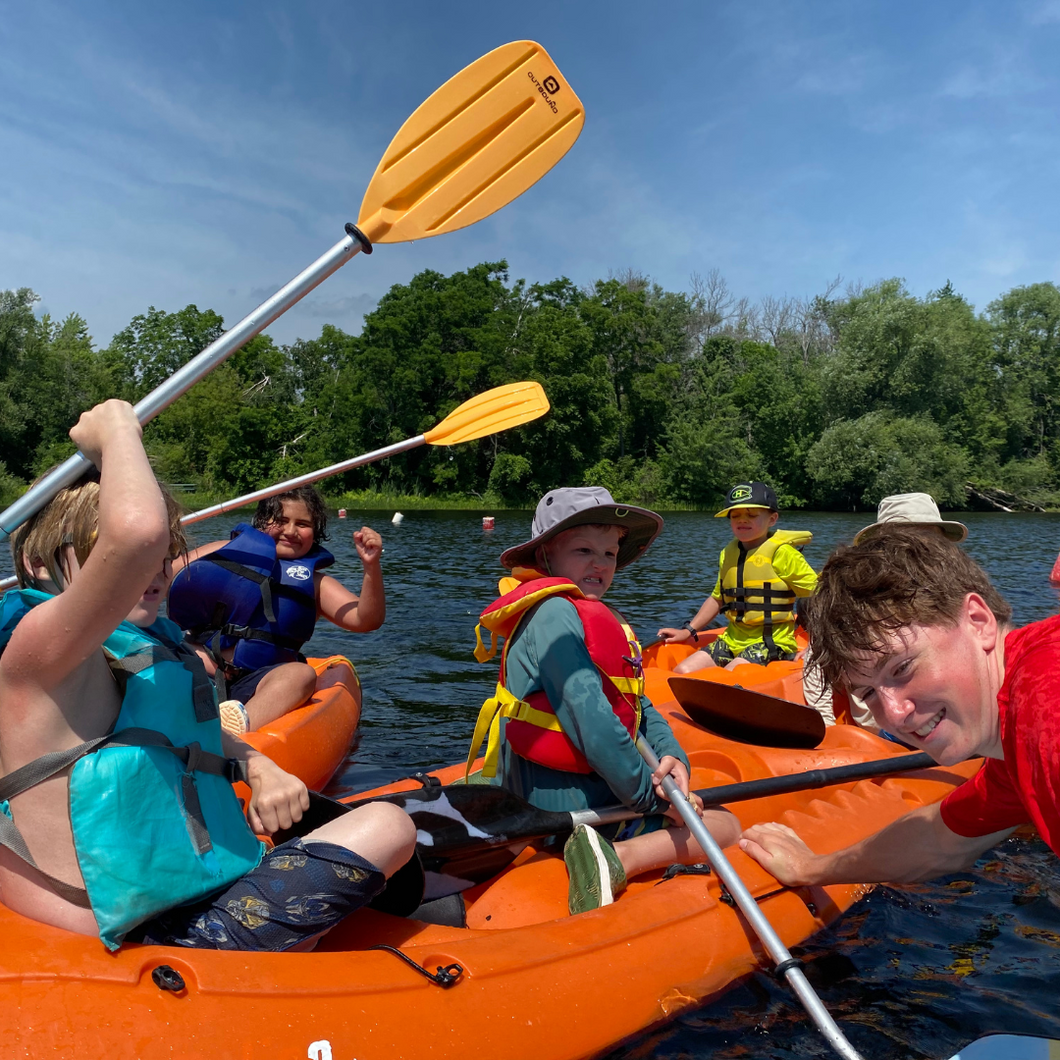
<point x="311" y="741"/>
<point x="536" y="982"/>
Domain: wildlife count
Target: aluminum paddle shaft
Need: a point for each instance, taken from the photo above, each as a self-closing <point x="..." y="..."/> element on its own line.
<point x="303" y="480"/>
<point x="185" y="378"/>
<point x="755" y="917"/>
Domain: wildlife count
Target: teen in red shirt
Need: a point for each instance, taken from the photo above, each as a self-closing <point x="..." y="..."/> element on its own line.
<point x="912" y="625"/>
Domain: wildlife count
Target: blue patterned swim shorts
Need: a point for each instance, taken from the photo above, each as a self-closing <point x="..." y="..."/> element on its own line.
<point x="297" y="892"/>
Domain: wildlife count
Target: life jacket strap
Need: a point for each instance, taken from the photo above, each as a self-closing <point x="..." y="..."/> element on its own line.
<point x="11" y="838"/>
<point x="202" y="688"/>
<point x="263" y="581"/>
<point x="482" y="653"/>
<point x="502" y="704"/>
<point x="40" y="769"/>
<point x="249" y="633"/>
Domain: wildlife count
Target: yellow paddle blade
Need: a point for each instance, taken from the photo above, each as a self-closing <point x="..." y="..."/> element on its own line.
<point x="481" y="140"/>
<point x="495" y="410"/>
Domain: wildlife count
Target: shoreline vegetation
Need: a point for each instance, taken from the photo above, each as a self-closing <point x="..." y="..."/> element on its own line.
<point x="665" y="397"/>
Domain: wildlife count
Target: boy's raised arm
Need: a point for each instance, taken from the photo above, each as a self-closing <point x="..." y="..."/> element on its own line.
<point x="130" y="549"/>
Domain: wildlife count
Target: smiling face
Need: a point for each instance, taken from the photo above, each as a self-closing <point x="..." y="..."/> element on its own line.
<point x="936" y="686"/>
<point x="587" y="556"/>
<point x="293" y="532"/>
<point x="751" y="526"/>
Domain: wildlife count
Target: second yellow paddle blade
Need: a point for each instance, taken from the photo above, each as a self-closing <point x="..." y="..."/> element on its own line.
<point x="495" y="410"/>
<point x="478" y="142"/>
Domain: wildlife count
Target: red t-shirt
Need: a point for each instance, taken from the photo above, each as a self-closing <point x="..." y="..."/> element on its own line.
<point x="1025" y="785"/>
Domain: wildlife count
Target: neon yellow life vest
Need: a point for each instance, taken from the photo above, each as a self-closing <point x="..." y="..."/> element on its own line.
<point x="752" y="592"/>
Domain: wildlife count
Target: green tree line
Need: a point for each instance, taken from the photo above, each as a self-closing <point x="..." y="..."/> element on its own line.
<point x="664" y="397"/>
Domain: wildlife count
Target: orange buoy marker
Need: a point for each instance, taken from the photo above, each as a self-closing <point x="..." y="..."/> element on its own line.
<point x="342" y="513"/>
<point x="488" y="522"/>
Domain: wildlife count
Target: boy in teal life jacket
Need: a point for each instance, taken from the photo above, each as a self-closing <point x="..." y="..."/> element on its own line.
<point x="117" y="813"/>
<point x="569" y="701"/>
<point x="251" y="602"/>
<point x="760" y="575"/>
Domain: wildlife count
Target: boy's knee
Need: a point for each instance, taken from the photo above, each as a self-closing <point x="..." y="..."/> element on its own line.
<point x="393" y="822"/>
<point x="378" y="831"/>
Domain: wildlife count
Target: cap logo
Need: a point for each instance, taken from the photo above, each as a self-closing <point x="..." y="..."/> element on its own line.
<point x="740" y="493"/>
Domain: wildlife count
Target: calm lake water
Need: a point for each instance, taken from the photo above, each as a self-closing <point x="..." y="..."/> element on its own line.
<point x="913" y="972"/>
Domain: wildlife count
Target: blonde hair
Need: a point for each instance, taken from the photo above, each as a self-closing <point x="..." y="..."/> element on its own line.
<point x="72" y="518"/>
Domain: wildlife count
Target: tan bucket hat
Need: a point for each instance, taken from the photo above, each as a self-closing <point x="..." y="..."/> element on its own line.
<point x="562" y="509"/>
<point x="912" y="509"/>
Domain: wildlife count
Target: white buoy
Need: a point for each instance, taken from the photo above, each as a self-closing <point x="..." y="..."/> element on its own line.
<point x="397" y="518"/>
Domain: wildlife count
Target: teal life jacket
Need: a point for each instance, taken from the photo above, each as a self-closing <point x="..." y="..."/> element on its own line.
<point x="155" y="821"/>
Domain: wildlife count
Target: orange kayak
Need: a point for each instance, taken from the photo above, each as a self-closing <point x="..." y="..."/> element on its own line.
<point x="536" y="982"/>
<point x="780" y="679"/>
<point x="312" y="740"/>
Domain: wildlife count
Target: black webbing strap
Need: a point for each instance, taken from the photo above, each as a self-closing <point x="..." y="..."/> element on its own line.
<point x="193" y="757"/>
<point x="249" y="633"/>
<point x="263" y="581"/>
<point x="202" y="687"/>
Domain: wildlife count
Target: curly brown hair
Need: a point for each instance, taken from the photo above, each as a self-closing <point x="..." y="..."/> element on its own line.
<point x="887" y="583"/>
<point x="270" y="510"/>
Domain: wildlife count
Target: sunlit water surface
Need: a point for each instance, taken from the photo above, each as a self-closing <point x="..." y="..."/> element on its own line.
<point x="910" y="972"/>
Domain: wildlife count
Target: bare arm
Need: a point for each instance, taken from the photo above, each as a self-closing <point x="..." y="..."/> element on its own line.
<point x="702" y="618"/>
<point x="916" y="847"/>
<point x="133" y="539"/>
<point x="358" y="614"/>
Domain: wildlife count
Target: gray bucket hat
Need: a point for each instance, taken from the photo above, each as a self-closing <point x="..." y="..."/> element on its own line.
<point x="562" y="509"/>
<point x="912" y="509"/>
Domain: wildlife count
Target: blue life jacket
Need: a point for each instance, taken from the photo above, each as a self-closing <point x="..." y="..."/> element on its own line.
<point x="155" y="821"/>
<point x="243" y="595"/>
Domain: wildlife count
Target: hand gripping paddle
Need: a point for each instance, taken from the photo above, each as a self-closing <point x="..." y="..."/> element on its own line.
<point x="480" y="140"/>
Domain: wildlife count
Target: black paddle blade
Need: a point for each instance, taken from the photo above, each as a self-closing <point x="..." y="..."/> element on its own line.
<point x="465" y="833"/>
<point x="749" y="717"/>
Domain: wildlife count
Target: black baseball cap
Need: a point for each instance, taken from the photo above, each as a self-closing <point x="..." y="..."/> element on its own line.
<point x="749" y="495"/>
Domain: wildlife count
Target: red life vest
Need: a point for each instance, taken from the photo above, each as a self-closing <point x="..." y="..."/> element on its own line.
<point x="533" y="730"/>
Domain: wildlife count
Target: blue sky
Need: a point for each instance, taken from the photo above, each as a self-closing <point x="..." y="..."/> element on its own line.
<point x="206" y="152"/>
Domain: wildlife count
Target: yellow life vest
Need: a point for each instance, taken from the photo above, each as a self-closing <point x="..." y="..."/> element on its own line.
<point x="752" y="592"/>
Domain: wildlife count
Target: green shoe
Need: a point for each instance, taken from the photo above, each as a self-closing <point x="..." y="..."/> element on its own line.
<point x="596" y="874"/>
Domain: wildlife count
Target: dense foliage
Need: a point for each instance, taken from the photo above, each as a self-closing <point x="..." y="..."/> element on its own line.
<point x="663" y="397"/>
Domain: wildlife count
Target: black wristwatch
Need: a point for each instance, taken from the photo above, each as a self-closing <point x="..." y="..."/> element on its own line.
<point x="691" y="629"/>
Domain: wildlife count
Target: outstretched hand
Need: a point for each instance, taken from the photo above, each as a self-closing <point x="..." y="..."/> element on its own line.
<point x="369" y="545"/>
<point x="779" y="850"/>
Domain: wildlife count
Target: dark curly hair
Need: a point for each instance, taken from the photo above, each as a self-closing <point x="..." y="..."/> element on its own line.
<point x="270" y="510"/>
<point x="887" y="583"/>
